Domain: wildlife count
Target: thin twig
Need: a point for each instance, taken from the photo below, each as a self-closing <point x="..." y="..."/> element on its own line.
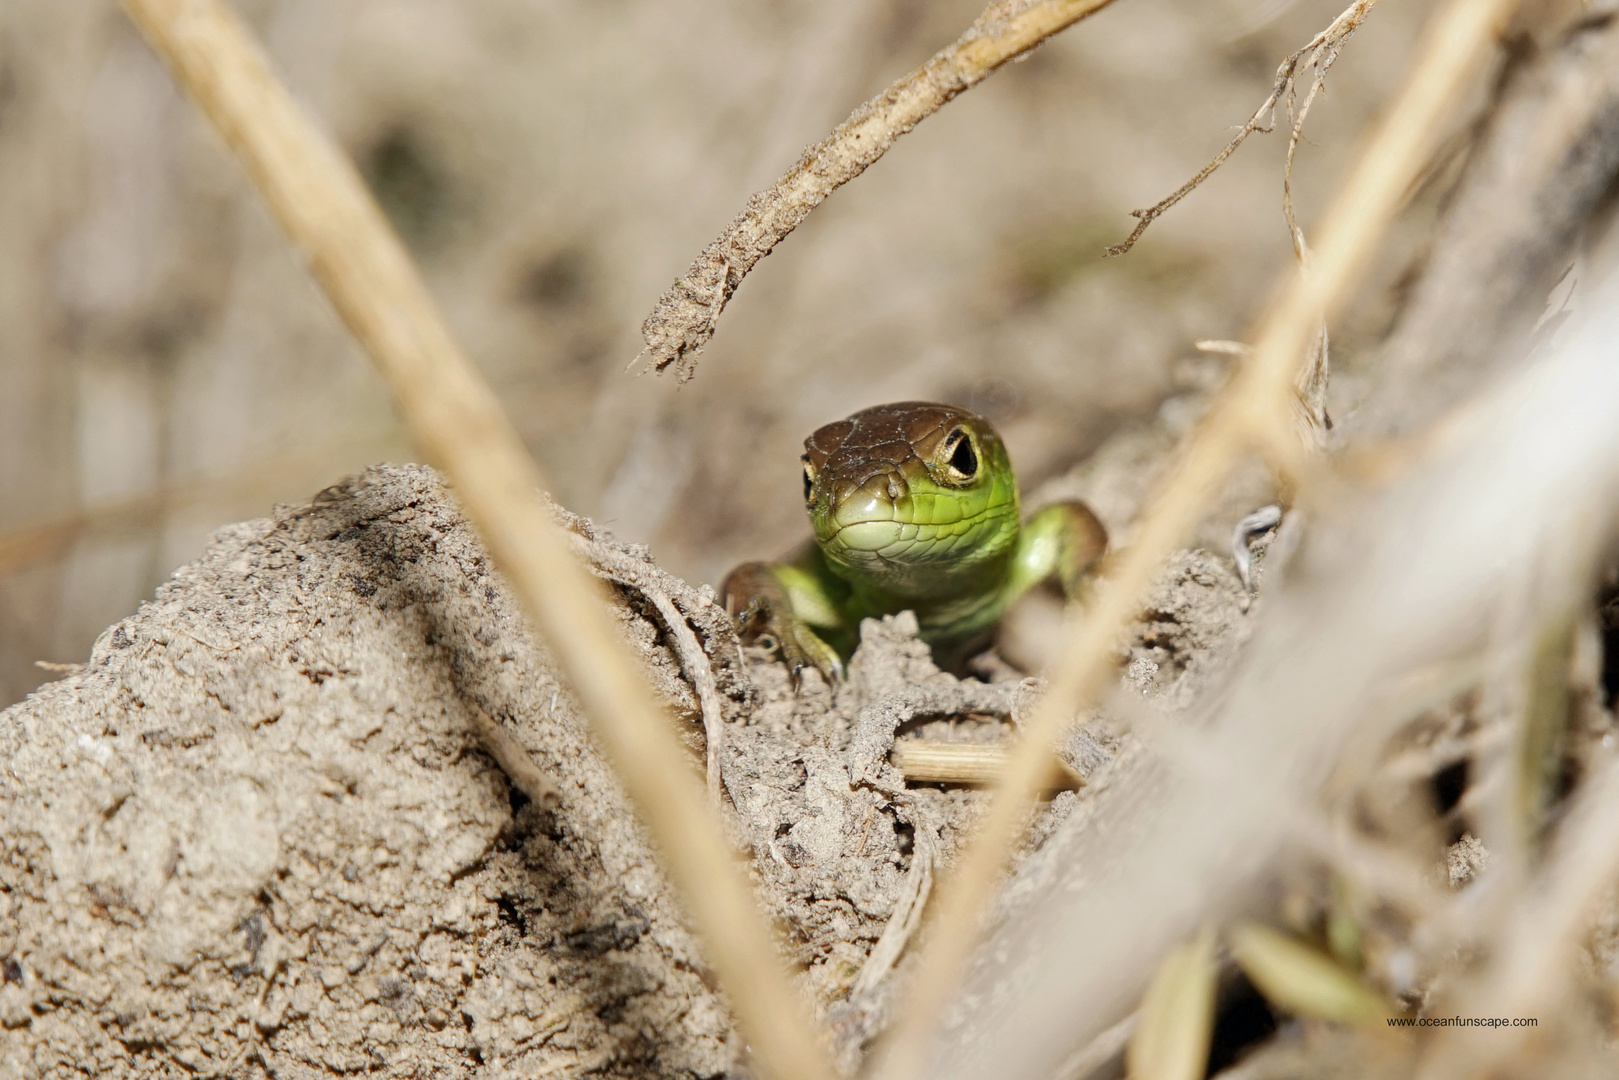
<point x="1321" y="51"/>
<point x="457" y="421"/>
<point x="678" y="606"/>
<point x="636" y="570"/>
<point x="1253" y="411"/>
<point x="685" y="316"/>
<point x="903" y="923"/>
<point x="514" y="760"/>
<point x="1322" y="59"/>
<point x="694" y="662"/>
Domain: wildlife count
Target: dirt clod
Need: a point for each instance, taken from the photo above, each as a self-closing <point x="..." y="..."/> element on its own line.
<point x="259" y="832"/>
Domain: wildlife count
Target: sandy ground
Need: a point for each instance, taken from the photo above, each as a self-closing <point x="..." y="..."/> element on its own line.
<point x="256" y="833"/>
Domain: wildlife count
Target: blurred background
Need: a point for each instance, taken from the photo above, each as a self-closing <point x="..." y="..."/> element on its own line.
<point x="167" y="367"/>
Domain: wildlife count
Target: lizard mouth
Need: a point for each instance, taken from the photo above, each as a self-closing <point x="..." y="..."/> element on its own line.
<point x="886" y="519"/>
<point x="870" y="537"/>
<point x="888" y="541"/>
<point x="869" y="522"/>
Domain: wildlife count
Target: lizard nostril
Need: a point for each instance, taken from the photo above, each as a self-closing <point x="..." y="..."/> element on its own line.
<point x="894" y="488"/>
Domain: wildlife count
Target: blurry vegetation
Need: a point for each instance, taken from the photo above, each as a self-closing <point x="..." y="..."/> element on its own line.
<point x="414" y="186"/>
<point x="558" y="281"/>
<point x="1048" y="257"/>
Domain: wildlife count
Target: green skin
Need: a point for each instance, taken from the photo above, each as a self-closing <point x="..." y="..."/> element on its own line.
<point x="915" y="507"/>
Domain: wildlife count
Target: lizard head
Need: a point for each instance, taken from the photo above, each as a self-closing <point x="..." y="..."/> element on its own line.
<point x="909" y="492"/>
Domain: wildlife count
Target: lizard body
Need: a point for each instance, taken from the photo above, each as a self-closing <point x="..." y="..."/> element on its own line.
<point x="914" y="506"/>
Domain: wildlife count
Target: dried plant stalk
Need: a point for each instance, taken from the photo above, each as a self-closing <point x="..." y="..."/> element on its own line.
<point x="685" y="316"/>
<point x="1254" y="411"/>
<point x="456" y="420"/>
<point x="927" y="761"/>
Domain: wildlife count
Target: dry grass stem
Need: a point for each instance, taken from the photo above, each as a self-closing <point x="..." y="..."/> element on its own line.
<point x="932" y="762"/>
<point x="1176" y="1018"/>
<point x="685" y="316"/>
<point x="928" y="761"/>
<point x="1319" y="54"/>
<point x="320" y="201"/>
<point x="1254" y="410"/>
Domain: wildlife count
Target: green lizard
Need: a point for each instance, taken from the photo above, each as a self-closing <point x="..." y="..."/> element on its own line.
<point x="914" y="506"/>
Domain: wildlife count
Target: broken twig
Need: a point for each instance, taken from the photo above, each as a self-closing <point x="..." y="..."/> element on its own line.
<point x="685" y="316"/>
<point x="902" y="924"/>
<point x="694" y="662"/>
<point x="930" y="761"/>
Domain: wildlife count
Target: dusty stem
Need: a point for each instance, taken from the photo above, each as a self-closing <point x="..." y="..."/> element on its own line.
<point x="902" y="924"/>
<point x="694" y="662"/>
<point x="1254" y="411"/>
<point x="685" y="316"/>
<point x="456" y="420"/>
<point x="676" y="603"/>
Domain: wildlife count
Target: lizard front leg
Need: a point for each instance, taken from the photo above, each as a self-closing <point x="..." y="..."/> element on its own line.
<point x="1064" y="540"/>
<point x="791" y="601"/>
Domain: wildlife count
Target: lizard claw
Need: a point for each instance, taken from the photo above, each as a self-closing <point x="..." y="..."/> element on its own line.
<point x="802" y="648"/>
<point x="799" y="646"/>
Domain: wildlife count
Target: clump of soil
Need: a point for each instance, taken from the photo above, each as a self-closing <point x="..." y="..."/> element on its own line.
<point x="257" y="833"/>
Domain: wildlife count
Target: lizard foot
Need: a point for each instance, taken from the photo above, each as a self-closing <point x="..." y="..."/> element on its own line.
<point x="766" y="611"/>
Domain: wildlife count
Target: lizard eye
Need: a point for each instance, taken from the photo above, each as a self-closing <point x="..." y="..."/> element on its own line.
<point x="960" y="458"/>
<point x="809" y="481"/>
